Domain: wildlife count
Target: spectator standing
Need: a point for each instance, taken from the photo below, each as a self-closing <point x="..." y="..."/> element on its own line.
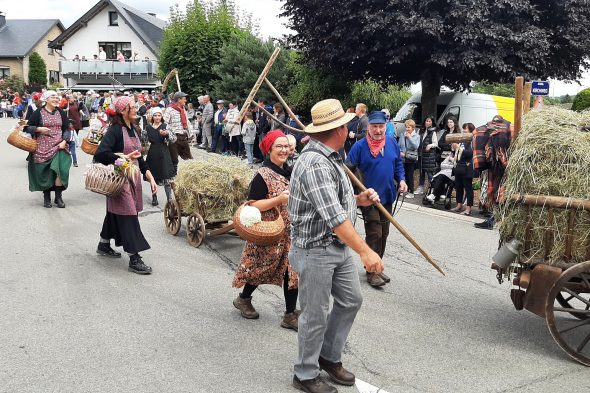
<point x="232" y="127"/>
<point x="409" y="144"/>
<point x="427" y="153"/>
<point x="390" y="130"/>
<point x="279" y="113"/>
<point x="207" y="123"/>
<point x="120" y="57"/>
<point x="249" y="136"/>
<point x="175" y="118"/>
<point x="379" y="161"/>
<point x="102" y="55"/>
<point x="463" y="172"/>
<point x="361" y="126"/>
<point x="218" y="124"/>
<point x="444" y="148"/>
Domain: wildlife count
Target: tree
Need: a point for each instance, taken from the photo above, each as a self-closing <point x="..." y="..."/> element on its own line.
<point x="37" y="70"/>
<point x="376" y="97"/>
<point x="436" y="42"/>
<point x="14" y="83"/>
<point x="241" y="60"/>
<point x="582" y="100"/>
<point x="193" y="40"/>
<point x="495" y="89"/>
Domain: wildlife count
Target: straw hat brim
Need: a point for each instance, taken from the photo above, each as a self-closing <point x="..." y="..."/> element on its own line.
<point x="311" y="129"/>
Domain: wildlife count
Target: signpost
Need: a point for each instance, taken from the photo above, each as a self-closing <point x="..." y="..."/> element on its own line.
<point x="540" y="88"/>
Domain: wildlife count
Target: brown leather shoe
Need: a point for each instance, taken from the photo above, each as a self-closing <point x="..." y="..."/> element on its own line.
<point x="338" y="373"/>
<point x="315" y="385"/>
<point x="290" y="321"/>
<point x="246" y="309"/>
<point x="375" y="280"/>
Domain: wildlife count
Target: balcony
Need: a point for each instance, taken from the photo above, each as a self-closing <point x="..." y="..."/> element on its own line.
<point x="110" y="74"/>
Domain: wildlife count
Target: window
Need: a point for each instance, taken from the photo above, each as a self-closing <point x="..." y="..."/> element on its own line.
<point x="49" y="50"/>
<point x="111" y="49"/>
<point x="454" y="111"/>
<point x="53" y="77"/>
<point x="113" y="18"/>
<point x="4" y="72"/>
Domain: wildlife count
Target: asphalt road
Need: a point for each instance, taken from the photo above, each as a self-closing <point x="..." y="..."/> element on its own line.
<point x="71" y="321"/>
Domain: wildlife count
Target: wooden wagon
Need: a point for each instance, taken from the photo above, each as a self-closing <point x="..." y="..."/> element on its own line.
<point x="556" y="290"/>
<point x="198" y="225"/>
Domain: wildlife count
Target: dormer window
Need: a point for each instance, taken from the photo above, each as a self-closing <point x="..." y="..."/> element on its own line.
<point x="113" y="18"/>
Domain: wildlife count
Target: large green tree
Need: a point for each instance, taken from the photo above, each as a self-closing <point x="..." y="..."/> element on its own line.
<point x="193" y="40"/>
<point x="436" y="42"/>
<point x="241" y="60"/>
<point x="37" y="70"/>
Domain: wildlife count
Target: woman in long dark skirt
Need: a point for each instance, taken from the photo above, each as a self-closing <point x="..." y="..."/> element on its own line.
<point x="158" y="158"/>
<point x="121" y="221"/>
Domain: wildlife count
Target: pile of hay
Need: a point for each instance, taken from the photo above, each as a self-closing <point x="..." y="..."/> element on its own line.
<point x="214" y="188"/>
<point x="550" y="157"/>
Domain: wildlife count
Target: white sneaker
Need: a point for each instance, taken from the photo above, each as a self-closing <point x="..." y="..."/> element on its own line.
<point x="419" y="191"/>
<point x="430" y="197"/>
<point x="442" y="197"/>
<point x="408" y="195"/>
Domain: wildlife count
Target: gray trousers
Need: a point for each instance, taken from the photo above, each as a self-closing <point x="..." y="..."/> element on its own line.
<point x="324" y="271"/>
<point x="206" y="138"/>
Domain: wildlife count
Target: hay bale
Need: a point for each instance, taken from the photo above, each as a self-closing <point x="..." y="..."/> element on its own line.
<point x="550" y="157"/>
<point x="214" y="188"/>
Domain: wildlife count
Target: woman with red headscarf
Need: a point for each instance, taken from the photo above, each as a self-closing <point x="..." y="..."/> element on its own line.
<point x="121" y="221"/>
<point x="269" y="264"/>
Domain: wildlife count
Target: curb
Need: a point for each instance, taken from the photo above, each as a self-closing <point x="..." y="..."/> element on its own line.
<point x="440" y="213"/>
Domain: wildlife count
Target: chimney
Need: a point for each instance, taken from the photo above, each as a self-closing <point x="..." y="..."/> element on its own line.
<point x="2" y="19"/>
<point x="152" y="14"/>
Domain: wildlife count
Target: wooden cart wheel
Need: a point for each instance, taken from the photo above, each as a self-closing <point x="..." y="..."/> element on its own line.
<point x="172" y="217"/>
<point x="195" y="230"/>
<point x="566" y="300"/>
<point x="571" y="334"/>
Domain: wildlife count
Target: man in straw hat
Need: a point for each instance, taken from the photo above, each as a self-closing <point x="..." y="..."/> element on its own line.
<point x="322" y="207"/>
<point x="378" y="159"/>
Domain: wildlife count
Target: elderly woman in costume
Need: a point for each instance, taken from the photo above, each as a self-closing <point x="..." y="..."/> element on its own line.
<point x="158" y="158"/>
<point x="49" y="165"/>
<point x="121" y="221"/>
<point x="269" y="264"/>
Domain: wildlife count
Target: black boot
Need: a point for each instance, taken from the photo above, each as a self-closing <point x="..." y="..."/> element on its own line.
<point x="58" y="201"/>
<point x="47" y="198"/>
<point x="154" y="200"/>
<point x="105" y="250"/>
<point x="136" y="265"/>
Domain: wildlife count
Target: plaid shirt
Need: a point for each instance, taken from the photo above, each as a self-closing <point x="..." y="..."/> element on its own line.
<point x="320" y="197"/>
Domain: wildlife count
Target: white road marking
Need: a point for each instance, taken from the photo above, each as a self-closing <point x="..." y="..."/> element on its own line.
<point x="365" y="387"/>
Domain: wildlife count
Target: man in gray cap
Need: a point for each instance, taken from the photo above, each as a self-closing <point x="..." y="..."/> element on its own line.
<point x="177" y="121"/>
<point x="218" y="121"/>
<point x="206" y="123"/>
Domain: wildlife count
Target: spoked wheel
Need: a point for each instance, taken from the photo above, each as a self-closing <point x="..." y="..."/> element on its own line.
<point x="569" y="322"/>
<point x="172" y="217"/>
<point x="195" y="230"/>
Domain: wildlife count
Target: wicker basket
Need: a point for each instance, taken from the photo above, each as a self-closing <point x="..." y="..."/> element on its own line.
<point x="263" y="233"/>
<point x="103" y="180"/>
<point x="89" y="147"/>
<point x="17" y="140"/>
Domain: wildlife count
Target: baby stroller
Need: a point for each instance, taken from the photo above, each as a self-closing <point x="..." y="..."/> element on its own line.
<point x="441" y="188"/>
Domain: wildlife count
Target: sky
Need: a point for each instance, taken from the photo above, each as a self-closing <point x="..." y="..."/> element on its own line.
<point x="265" y="12"/>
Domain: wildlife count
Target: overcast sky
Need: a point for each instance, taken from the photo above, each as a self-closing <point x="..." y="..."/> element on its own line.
<point x="265" y="13"/>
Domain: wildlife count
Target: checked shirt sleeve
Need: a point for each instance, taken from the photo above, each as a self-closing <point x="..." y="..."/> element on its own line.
<point x="322" y="191"/>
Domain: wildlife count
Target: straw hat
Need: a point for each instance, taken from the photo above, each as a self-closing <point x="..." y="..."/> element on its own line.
<point x="327" y="115"/>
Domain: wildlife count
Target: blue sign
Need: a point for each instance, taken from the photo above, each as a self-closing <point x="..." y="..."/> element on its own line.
<point x="540" y="88"/>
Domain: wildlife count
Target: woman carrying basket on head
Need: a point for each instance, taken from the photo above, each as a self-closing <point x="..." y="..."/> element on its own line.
<point x="121" y="221"/>
<point x="269" y="264"/>
<point x="49" y="165"/>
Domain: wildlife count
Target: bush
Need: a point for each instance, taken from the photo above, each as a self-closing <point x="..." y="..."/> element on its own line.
<point x="37" y="70"/>
<point x="14" y="83"/>
<point x="371" y="93"/>
<point x="582" y="100"/>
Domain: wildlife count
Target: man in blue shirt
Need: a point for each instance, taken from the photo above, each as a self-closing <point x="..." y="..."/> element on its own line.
<point x="379" y="162"/>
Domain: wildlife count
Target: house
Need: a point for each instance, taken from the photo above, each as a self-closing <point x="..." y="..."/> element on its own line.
<point x="114" y="26"/>
<point x="21" y="37"/>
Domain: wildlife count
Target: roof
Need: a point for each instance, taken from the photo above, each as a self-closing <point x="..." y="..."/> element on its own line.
<point x="19" y="36"/>
<point x="148" y="28"/>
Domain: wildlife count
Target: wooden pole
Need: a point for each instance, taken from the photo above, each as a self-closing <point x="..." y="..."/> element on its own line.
<point x="267" y="113"/>
<point x="257" y="85"/>
<point x="360" y="185"/>
<point x="526" y="100"/>
<point x="551" y="201"/>
<point x="177" y="80"/>
<point x="518" y="88"/>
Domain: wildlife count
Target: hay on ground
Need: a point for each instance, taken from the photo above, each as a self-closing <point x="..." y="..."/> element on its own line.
<point x="213" y="188"/>
<point x="550" y="157"/>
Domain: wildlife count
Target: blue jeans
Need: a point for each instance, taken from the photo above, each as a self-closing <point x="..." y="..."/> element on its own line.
<point x="73" y="151"/>
<point x="422" y="179"/>
<point x="249" y="152"/>
<point x="216" y="137"/>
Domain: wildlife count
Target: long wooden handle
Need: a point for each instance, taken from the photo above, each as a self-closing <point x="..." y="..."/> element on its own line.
<point x="359" y="184"/>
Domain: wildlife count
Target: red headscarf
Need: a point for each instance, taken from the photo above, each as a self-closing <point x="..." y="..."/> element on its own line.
<point x="269" y="139"/>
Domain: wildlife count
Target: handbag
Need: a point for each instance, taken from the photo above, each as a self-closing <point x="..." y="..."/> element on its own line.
<point x="411" y="156"/>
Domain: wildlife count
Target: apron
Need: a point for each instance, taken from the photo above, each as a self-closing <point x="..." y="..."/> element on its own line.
<point x="130" y="201"/>
<point x="47" y="145"/>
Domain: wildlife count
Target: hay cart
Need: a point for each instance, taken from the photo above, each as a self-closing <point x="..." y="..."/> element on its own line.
<point x="556" y="289"/>
<point x="199" y="224"/>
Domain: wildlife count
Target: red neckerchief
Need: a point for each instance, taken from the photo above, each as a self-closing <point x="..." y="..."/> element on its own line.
<point x="182" y="115"/>
<point x="375" y="145"/>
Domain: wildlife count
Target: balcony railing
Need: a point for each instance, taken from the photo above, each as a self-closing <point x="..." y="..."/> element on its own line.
<point x="133" y="69"/>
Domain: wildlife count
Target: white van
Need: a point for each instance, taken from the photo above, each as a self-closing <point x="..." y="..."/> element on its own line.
<point x="466" y="107"/>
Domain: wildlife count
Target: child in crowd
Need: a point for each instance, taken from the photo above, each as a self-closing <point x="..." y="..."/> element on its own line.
<point x="441" y="179"/>
<point x="4" y="108"/>
<point x="293" y="155"/>
<point x="249" y="136"/>
<point x="72" y="141"/>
